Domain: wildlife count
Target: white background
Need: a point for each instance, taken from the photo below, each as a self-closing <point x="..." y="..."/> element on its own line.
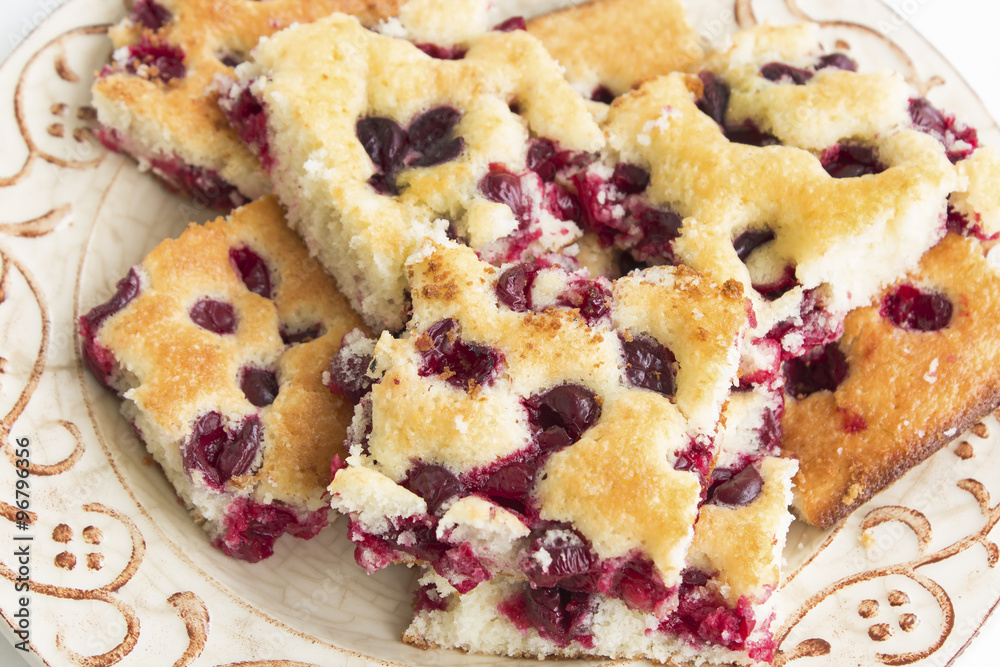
<point x="964" y="31"/>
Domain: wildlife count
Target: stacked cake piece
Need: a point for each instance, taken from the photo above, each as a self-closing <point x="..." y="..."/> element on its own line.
<point x="542" y="443"/>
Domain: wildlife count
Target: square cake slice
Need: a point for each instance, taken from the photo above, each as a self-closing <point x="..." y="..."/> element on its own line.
<point x="154" y="100"/>
<point x="217" y="342"/>
<point x="724" y="610"/>
<point x="541" y="425"/>
<point x="376" y="144"/>
<point x="911" y="371"/>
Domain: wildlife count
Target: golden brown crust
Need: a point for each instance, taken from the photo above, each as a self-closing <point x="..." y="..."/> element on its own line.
<point x="619" y="43"/>
<point x="183" y="111"/>
<point x="928" y="383"/>
<point x="182" y="370"/>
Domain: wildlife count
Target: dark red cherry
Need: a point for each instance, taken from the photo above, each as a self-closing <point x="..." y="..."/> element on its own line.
<point x="555" y="612"/>
<point x="850" y="161"/>
<point x="216" y="316"/>
<point x="252" y="270"/>
<point x="568" y="556"/>
<point x="784" y="73"/>
<point x="778" y="288"/>
<point x="430" y="136"/>
<point x="503" y="187"/>
<point x="561" y="203"/>
<point x="219" y="453"/>
<point x="440" y="153"/>
<point x="150" y="14"/>
<point x="252" y="529"/>
<point x="821" y="369"/>
<point x="837" y="60"/>
<point x="749" y="134"/>
<point x="926" y="117"/>
<point x="260" y="386"/>
<point x="658" y="228"/>
<point x="649" y="365"/>
<point x="434" y="483"/>
<point x="750" y="240"/>
<point x="247" y="114"/>
<point x="917" y="310"/>
<point x="629" y="178"/>
<point x="513" y="288"/>
<point x="348" y="374"/>
<point x="591" y="298"/>
<point x="163" y="61"/>
<point x="511" y="481"/>
<point x="384" y="140"/>
<point x="602" y="94"/>
<point x="738" y="491"/>
<point x="126" y="290"/>
<point x="294" y="337"/>
<point x="714" y="99"/>
<point x="560" y="415"/>
<point x="442" y="52"/>
<point x="511" y="24"/>
<point x="460" y="364"/>
<point x="384" y="184"/>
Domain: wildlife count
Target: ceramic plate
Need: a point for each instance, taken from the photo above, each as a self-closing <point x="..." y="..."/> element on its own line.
<point x="120" y="575"/>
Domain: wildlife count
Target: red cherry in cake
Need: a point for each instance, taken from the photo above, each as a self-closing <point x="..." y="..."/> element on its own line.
<point x="296" y="336"/>
<point x="714" y="98"/>
<point x="555" y="612"/>
<point x="385" y="142"/>
<point x="739" y="490"/>
<point x="247" y="114"/>
<point x="150" y="14"/>
<point x="630" y="179"/>
<point x="348" y="374"/>
<point x="649" y="365"/>
<point x="216" y="316"/>
<point x="430" y="135"/>
<point x="460" y="364"/>
<point x="221" y="454"/>
<point x="850" y="161"/>
<point x="511" y="481"/>
<point x="568" y="555"/>
<point x="159" y="59"/>
<point x="838" y="61"/>
<point x="442" y="52"/>
<point x="260" y="386"/>
<point x="750" y="135"/>
<point x="126" y="290"/>
<point x="503" y="187"/>
<point x="602" y="94"/>
<point x="252" y="270"/>
<point x="784" y="73"/>
<point x="820" y="369"/>
<point x="252" y="528"/>
<point x="778" y="287"/>
<point x="750" y="240"/>
<point x="560" y="415"/>
<point x="926" y="117"/>
<point x="911" y="308"/>
<point x="434" y="483"/>
<point x="591" y="298"/>
<point x="513" y="288"/>
<point x="561" y="203"/>
<point x="511" y="24"/>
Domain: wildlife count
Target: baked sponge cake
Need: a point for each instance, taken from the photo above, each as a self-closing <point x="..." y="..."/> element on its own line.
<point x="723" y="613"/>
<point x="608" y="47"/>
<point x="376" y="146"/>
<point x="154" y="100"/>
<point x="217" y="342"/>
<point x="911" y="371"/>
<point x="807" y="241"/>
<point x="537" y="432"/>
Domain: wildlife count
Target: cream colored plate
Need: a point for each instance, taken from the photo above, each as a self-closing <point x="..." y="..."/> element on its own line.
<point x="119" y="573"/>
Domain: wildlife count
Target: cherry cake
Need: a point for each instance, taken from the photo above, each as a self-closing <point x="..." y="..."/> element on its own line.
<point x="384" y="142"/>
<point x="155" y="102"/>
<point x="536" y="433"/>
<point x="217" y="343"/>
